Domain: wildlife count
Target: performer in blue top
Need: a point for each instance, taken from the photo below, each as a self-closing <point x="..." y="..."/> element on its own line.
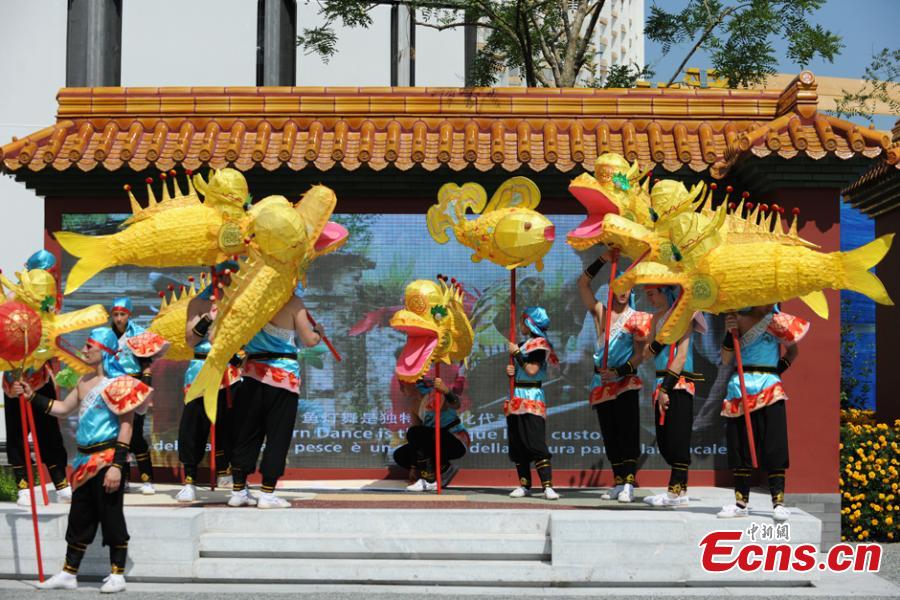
<point x="673" y="398"/>
<point x="526" y="413"/>
<point x="615" y="391"/>
<point x="106" y="400"/>
<point x="418" y="452"/>
<point x="265" y="407"/>
<point x="53" y="451"/>
<point x="763" y="331"/>
<point x="194" y="427"/>
<point x="124" y="329"/>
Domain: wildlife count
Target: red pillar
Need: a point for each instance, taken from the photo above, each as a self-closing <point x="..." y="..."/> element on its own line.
<point x="813" y="383"/>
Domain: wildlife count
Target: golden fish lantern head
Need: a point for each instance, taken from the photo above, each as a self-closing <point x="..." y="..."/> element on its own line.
<point x="525" y="235"/>
<point x="37" y="289"/>
<point x="277" y="230"/>
<point x="226" y="190"/>
<point x="427" y="320"/>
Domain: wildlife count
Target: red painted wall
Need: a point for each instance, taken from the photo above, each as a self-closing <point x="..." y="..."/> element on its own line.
<point x="813" y="384"/>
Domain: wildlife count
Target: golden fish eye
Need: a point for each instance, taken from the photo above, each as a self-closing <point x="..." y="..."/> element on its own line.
<point x="417" y="303"/>
<point x="527" y="225"/>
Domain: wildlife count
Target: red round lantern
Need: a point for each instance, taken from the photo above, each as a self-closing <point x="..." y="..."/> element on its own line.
<point x="20" y="330"/>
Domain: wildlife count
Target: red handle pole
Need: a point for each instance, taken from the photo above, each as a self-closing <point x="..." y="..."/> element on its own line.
<point x="37" y="452"/>
<point x="512" y="327"/>
<point x="212" y="426"/>
<point x="609" y="300"/>
<point x="30" y="478"/>
<point x="437" y="429"/>
<point x="325" y="339"/>
<point x="745" y="401"/>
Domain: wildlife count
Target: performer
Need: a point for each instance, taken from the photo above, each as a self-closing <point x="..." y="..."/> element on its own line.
<point x="53" y="451"/>
<point x="194" y="427"/>
<point x="615" y="390"/>
<point x="265" y="407"/>
<point x="763" y="331"/>
<point x="106" y="400"/>
<point x="418" y="452"/>
<point x="124" y="329"/>
<point x="673" y="399"/>
<point x="526" y="413"/>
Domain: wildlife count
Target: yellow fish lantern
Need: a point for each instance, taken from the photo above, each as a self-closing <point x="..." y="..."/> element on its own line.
<point x="436" y="327"/>
<point x="728" y="277"/>
<point x="284" y="240"/>
<point x="171" y="321"/>
<point x="508" y="232"/>
<point x="179" y="230"/>
<point x="37" y="289"/>
<point x="613" y="190"/>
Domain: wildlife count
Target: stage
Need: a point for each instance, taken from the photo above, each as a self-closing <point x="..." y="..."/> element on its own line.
<point x="371" y="532"/>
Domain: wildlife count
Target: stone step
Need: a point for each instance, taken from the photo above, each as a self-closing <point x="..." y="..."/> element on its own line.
<point x="446" y="545"/>
<point x="375" y="521"/>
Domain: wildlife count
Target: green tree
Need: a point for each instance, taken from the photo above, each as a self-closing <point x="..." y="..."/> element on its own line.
<point x="739" y="36"/>
<point x="550" y="42"/>
<point x="882" y="83"/>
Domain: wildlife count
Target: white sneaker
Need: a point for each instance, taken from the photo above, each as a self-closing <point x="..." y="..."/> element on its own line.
<point x="781" y="514"/>
<point x="655" y="499"/>
<point x="520" y="492"/>
<point x="113" y="583"/>
<point x="419" y="486"/>
<point x="272" y="501"/>
<point x="187" y="494"/>
<point x="613" y="493"/>
<point x="23" y="498"/>
<point x="667" y="499"/>
<point x="60" y="581"/>
<point x="550" y="494"/>
<point x="225" y="481"/>
<point x="64" y="496"/>
<point x="147" y="490"/>
<point x="627" y="494"/>
<point x="242" y="498"/>
<point x="431" y="486"/>
<point x="733" y="511"/>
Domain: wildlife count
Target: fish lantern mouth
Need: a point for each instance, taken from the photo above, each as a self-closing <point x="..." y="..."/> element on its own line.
<point x="550" y="233"/>
<point x="422" y="340"/>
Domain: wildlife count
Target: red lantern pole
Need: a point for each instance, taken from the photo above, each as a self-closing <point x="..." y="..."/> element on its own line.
<point x="609" y="301"/>
<point x="745" y="401"/>
<point x="438" y="397"/>
<point x="37" y="451"/>
<point x="512" y="327"/>
<point x="325" y="339"/>
<point x="212" y="426"/>
<point x="30" y="478"/>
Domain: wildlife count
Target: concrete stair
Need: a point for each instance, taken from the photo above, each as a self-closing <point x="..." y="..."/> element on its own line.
<point x="511" y="547"/>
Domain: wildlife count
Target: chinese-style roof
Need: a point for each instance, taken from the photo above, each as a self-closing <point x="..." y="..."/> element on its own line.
<point x="878" y="190"/>
<point x="484" y="129"/>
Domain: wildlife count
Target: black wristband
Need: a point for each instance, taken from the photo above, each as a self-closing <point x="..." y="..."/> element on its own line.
<point x="625" y="370"/>
<point x="202" y="326"/>
<point x="728" y="342"/>
<point x="235" y="361"/>
<point x="520" y="358"/>
<point x="783" y="365"/>
<point x="669" y="381"/>
<point x="42" y="403"/>
<point x="120" y="456"/>
<point x="594" y="268"/>
<point x="145" y="377"/>
<point x="656" y="347"/>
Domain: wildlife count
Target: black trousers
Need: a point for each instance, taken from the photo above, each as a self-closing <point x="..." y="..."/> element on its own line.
<point x="769" y="425"/>
<point x="53" y="452"/>
<point x="141" y="449"/>
<point x="193" y="432"/>
<point x="673" y="438"/>
<point x="418" y="451"/>
<point x="620" y="424"/>
<point x="262" y="413"/>
<point x="93" y="506"/>
<point x="528" y="443"/>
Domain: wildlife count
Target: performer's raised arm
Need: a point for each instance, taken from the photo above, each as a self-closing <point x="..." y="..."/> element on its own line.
<point x="309" y="335"/>
<point x="56" y="408"/>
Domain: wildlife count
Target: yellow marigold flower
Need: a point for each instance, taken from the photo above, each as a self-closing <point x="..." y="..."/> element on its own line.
<point x="889" y="520"/>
